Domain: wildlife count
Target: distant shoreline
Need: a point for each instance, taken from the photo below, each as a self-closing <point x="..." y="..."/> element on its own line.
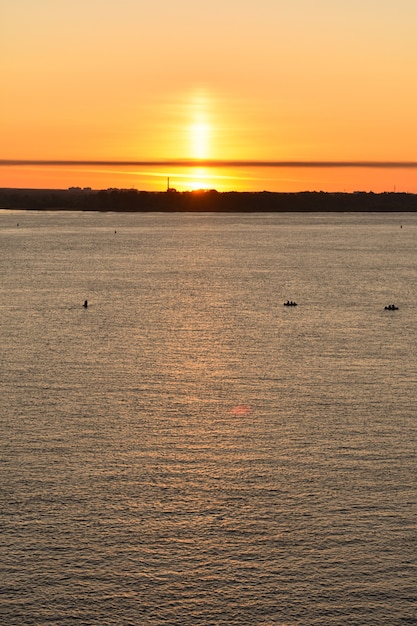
<point x="171" y="201"/>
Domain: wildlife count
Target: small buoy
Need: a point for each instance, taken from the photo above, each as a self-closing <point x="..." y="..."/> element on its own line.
<point x="85" y="305"/>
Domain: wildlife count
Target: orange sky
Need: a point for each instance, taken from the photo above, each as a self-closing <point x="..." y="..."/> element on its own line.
<point x="268" y="80"/>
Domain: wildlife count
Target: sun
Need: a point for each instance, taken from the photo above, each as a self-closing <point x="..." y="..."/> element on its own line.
<point x="199" y="179"/>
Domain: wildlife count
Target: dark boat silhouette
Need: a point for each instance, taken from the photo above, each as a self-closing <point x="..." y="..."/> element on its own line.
<point x="391" y="307"/>
<point x="290" y="303"/>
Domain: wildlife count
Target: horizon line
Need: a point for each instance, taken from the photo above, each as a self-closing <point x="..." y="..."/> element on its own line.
<point x="209" y="163"/>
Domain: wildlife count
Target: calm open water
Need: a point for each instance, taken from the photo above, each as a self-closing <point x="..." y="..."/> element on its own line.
<point x="187" y="450"/>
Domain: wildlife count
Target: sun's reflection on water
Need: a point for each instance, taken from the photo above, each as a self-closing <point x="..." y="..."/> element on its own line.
<point x="240" y="409"/>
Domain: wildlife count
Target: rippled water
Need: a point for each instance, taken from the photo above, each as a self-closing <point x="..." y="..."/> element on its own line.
<point x="188" y="451"/>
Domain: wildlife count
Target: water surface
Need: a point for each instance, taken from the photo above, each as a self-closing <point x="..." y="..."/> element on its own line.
<point x="187" y="450"/>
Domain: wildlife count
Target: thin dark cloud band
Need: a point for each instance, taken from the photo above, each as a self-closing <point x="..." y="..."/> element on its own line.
<point x="206" y="163"/>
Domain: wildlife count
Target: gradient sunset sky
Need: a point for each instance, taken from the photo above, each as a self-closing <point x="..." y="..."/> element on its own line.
<point x="269" y="80"/>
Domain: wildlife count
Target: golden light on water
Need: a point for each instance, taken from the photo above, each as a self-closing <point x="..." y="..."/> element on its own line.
<point x="240" y="409"/>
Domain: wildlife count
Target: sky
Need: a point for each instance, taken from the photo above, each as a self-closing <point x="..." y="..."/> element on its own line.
<point x="110" y="82"/>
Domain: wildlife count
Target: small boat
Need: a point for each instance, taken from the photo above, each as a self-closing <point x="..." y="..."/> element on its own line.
<point x="391" y="307"/>
<point x="290" y="303"/>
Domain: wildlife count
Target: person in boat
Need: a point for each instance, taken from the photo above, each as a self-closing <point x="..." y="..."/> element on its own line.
<point x="85" y="305"/>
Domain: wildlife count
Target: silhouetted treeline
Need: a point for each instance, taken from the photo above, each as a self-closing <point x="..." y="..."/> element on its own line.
<point x="204" y="201"/>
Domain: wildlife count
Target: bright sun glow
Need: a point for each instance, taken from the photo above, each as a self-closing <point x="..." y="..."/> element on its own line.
<point x="199" y="113"/>
<point x="200" y="132"/>
<point x="200" y="179"/>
